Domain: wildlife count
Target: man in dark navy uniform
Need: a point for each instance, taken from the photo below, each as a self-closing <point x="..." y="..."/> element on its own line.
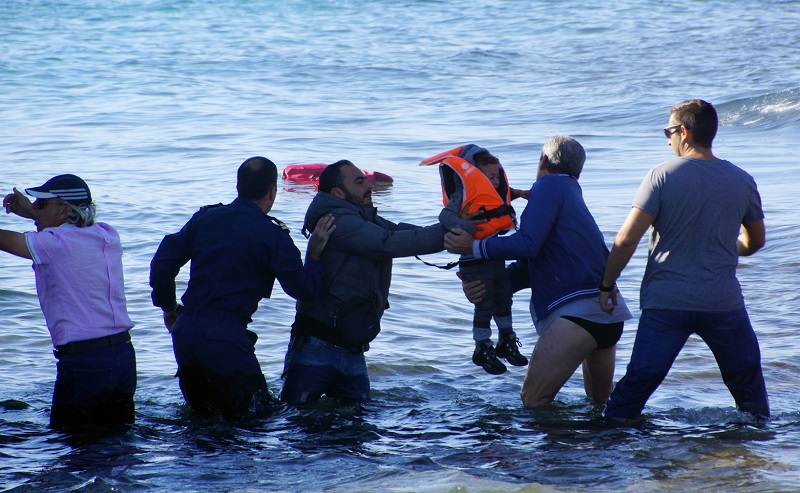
<point x="237" y="252"/>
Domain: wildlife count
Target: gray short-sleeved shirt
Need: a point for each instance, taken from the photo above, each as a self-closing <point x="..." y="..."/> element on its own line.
<point x="699" y="207"/>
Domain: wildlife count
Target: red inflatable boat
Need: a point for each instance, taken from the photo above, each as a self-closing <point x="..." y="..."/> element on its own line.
<point x="309" y="173"/>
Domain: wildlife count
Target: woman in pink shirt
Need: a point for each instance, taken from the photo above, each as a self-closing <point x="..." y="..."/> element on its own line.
<point x="78" y="267"/>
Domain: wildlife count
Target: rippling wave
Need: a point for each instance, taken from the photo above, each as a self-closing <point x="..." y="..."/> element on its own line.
<point x="767" y="112"/>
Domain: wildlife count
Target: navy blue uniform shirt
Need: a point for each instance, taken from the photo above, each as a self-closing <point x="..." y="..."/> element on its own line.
<point x="237" y="252"/>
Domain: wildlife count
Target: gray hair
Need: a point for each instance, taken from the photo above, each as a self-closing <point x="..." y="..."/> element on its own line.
<point x="564" y="155"/>
<point x="81" y="215"/>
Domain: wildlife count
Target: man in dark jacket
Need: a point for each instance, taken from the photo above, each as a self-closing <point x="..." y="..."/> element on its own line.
<point x="331" y="333"/>
<point x="237" y="252"/>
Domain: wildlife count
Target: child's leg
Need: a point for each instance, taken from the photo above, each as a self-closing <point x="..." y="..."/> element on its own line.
<point x="502" y="298"/>
<point x="484" y="355"/>
<point x="481" y="321"/>
<point x="507" y="343"/>
<point x="484" y="310"/>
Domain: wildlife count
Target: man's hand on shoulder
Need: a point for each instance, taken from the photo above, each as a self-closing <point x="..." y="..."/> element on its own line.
<point x="319" y="237"/>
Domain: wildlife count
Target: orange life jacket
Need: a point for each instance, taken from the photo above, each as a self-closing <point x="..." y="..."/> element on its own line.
<point x="478" y="192"/>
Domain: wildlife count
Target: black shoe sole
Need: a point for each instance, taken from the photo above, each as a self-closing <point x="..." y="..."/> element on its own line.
<point x="515" y="360"/>
<point x="491" y="370"/>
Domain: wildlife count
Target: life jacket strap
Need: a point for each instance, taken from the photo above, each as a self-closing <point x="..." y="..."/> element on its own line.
<point x="453" y="264"/>
<point x="444" y="267"/>
<point x="503" y="210"/>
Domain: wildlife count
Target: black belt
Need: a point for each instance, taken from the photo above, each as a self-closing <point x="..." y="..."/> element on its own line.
<point x="305" y="326"/>
<point x="92" y="344"/>
<point x="213" y="313"/>
<point x="296" y="342"/>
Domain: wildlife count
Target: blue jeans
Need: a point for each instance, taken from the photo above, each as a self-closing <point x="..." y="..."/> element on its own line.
<point x="217" y="366"/>
<point x="661" y="336"/>
<point x="95" y="387"/>
<point x="313" y="367"/>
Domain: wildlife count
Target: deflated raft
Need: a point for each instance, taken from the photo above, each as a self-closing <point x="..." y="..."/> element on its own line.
<point x="309" y="173"/>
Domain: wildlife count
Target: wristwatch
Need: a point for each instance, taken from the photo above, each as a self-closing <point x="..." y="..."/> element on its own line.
<point x="605" y="289"/>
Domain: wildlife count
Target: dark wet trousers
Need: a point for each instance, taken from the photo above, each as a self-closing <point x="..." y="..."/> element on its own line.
<point x="95" y="387"/>
<point x="497" y="300"/>
<point x="661" y="336"/>
<point x="218" y="370"/>
<point x="313" y="367"/>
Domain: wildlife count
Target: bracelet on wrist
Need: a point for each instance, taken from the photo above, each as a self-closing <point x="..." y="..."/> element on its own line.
<point x="605" y="289"/>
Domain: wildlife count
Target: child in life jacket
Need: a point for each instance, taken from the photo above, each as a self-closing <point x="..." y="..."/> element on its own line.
<point x="485" y="198"/>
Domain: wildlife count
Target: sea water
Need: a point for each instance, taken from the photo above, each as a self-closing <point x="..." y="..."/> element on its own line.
<point x="156" y="102"/>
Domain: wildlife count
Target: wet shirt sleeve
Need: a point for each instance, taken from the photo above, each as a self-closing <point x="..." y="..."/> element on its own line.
<point x="172" y="254"/>
<point x="300" y="281"/>
<point x="355" y="235"/>
<point x="537" y="221"/>
<point x="755" y="211"/>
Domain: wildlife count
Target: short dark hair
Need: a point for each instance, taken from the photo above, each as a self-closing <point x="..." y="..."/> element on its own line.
<point x="331" y="177"/>
<point x="699" y="117"/>
<point x="255" y="178"/>
<point x="484" y="157"/>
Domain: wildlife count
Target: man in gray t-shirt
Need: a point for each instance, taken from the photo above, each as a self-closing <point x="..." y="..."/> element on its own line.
<point x="705" y="213"/>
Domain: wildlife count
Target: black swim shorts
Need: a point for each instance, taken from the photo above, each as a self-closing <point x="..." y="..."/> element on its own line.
<point x="606" y="335"/>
